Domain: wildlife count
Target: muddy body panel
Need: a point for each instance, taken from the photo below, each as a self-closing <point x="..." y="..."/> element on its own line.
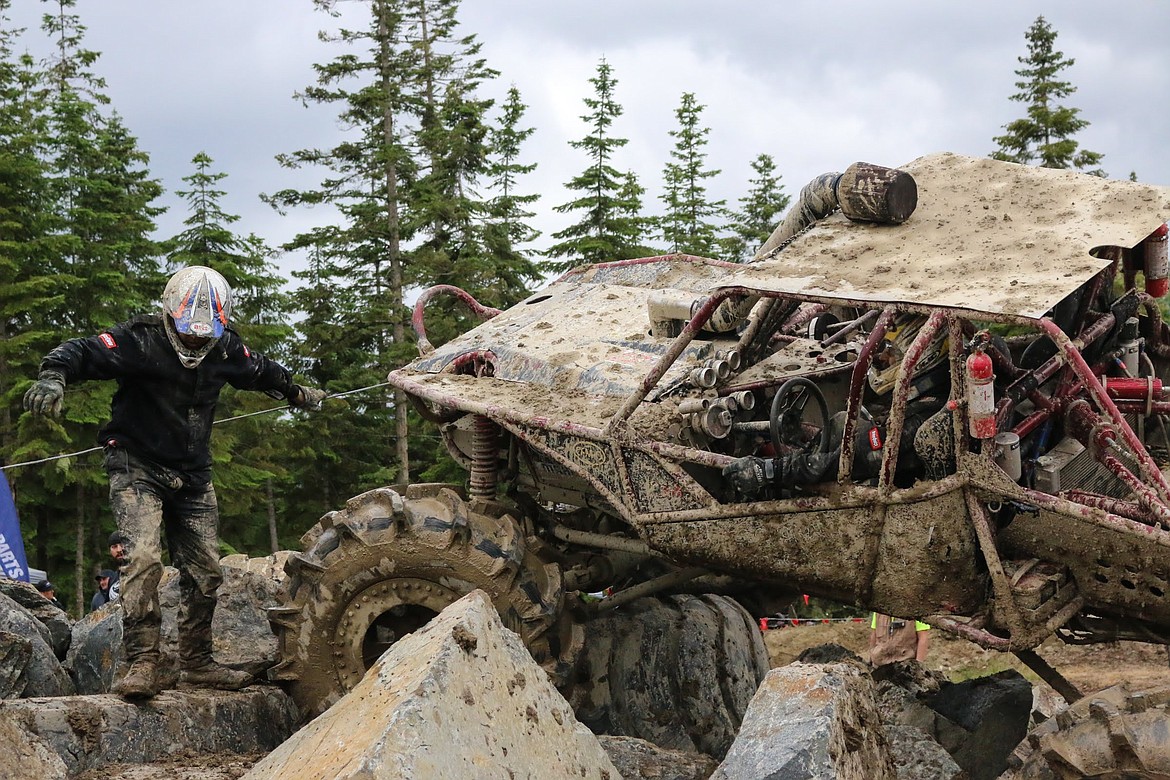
<point x="1117" y="571"/>
<point x="917" y="558"/>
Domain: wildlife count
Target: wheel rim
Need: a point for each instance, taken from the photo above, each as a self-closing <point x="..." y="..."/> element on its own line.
<point x="377" y="617"/>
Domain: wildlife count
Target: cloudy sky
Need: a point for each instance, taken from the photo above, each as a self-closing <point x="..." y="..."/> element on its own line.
<point x="818" y="85"/>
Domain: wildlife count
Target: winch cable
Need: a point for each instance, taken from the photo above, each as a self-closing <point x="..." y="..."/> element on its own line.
<point x="284" y="408"/>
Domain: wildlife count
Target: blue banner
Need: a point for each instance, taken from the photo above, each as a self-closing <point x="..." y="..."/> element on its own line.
<point x="12" y="559"/>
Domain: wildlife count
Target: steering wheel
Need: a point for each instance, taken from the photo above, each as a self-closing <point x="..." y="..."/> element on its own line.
<point x="786" y="422"/>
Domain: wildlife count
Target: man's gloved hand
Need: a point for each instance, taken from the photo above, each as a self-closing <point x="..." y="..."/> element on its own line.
<point x="308" y="398"/>
<point x="44" y="397"/>
<point x="749" y="475"/>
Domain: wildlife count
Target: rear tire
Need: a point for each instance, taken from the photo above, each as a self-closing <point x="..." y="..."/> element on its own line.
<point x="677" y="671"/>
<point x="1113" y="734"/>
<point x="385" y="565"/>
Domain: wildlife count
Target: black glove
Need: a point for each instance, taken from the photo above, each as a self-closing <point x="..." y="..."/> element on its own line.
<point x="308" y="398"/>
<point x="749" y="475"/>
<point x="798" y="468"/>
<point x="44" y="397"/>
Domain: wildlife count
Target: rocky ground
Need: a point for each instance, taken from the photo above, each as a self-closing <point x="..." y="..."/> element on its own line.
<point x="1091" y="668"/>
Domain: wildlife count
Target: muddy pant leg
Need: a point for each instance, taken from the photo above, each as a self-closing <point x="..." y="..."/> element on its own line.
<point x="137" y="505"/>
<point x="192" y="525"/>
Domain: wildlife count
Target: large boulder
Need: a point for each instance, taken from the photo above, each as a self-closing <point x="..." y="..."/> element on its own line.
<point x="461" y="697"/>
<point x="241" y="632"/>
<point x="43" y="674"/>
<point x="96" y="649"/>
<point x="15" y="651"/>
<point x="978" y="722"/>
<point x="26" y="755"/>
<point x="88" y="732"/>
<point x="993" y="713"/>
<point x="811" y="722"/>
<point x="52" y="617"/>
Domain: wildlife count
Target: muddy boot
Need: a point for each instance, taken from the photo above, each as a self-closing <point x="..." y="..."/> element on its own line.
<point x="210" y="674"/>
<point x="140" y="682"/>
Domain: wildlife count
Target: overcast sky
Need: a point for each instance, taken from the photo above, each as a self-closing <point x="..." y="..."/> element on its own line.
<point x="817" y="85"/>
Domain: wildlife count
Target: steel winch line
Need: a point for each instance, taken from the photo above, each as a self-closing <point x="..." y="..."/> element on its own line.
<point x="217" y="422"/>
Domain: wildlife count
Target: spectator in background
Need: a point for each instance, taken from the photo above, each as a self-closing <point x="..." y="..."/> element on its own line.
<point x="48" y="591"/>
<point x="117" y="542"/>
<point x="892" y="639"/>
<point x="106" y="579"/>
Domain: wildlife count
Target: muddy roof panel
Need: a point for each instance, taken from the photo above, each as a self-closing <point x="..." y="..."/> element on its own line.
<point x="987" y="236"/>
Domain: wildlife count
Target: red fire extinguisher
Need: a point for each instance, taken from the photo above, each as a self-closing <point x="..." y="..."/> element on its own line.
<point x="980" y="394"/>
<point x="1157" y="266"/>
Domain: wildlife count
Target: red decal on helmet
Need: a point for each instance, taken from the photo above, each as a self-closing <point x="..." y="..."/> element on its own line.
<point x="247" y="354"/>
<point x="108" y="340"/>
<point x="875" y="438"/>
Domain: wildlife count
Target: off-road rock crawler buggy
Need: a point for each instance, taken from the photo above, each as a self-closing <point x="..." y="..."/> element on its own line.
<point x="960" y="340"/>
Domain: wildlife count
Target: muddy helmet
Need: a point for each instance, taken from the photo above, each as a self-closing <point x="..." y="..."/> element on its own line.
<point x="197" y="305"/>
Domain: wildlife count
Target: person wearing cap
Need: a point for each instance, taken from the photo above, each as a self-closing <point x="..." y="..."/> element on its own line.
<point x="170" y="367"/>
<point x="105" y="579"/>
<point x="48" y="591"/>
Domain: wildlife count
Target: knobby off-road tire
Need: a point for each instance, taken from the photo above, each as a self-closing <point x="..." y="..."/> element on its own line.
<point x="385" y="565"/>
<point x="1112" y="734"/>
<point x="676" y="670"/>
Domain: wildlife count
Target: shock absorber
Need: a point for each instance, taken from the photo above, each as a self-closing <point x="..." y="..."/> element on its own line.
<point x="484" y="457"/>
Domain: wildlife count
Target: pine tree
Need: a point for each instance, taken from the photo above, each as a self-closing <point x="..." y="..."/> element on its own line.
<point x="104" y="267"/>
<point x="362" y="260"/>
<point x="759" y="211"/>
<point x="611" y="227"/>
<point x="506" y="229"/>
<point x="405" y="184"/>
<point x="1045" y="134"/>
<point x="688" y="226"/>
<point x="26" y="264"/>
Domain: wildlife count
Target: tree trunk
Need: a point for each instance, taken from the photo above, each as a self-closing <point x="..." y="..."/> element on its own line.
<point x="390" y="173"/>
<point x="79" y="554"/>
<point x="273" y="541"/>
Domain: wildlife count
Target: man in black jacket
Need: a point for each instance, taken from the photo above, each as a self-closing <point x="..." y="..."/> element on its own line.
<point x="170" y="368"/>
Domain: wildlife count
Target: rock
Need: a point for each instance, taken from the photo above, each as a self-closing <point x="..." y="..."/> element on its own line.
<point x="43" y="674"/>
<point x="270" y="567"/>
<point x="15" y="651"/>
<point x="87" y="732"/>
<point x="808" y="721"/>
<point x="27" y="756"/>
<point x="460" y="697"/>
<point x="828" y="653"/>
<point x="637" y="759"/>
<point x="917" y="756"/>
<point x="96" y="649"/>
<point x="242" y="635"/>
<point x="54" y="619"/>
<point x="993" y="712"/>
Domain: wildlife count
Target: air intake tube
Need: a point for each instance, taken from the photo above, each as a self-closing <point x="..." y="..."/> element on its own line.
<point x="864" y="193"/>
